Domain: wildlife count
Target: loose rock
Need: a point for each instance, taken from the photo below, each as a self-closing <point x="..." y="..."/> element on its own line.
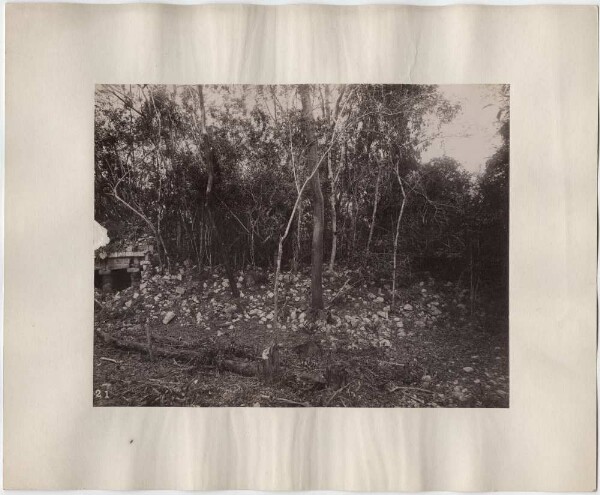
<point x="168" y="317"/>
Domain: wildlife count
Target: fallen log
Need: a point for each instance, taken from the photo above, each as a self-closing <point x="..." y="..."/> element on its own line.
<point x="157" y="351"/>
<point x="244" y="368"/>
<point x="164" y="339"/>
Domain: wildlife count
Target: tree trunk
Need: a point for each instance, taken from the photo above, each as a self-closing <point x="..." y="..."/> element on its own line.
<point x="333" y="178"/>
<point x="316" y="200"/>
<point x="332" y="203"/>
<point x="354" y="213"/>
<point x="298" y="244"/>
<point x="375" y="203"/>
<point x="211" y="165"/>
<point x="397" y="236"/>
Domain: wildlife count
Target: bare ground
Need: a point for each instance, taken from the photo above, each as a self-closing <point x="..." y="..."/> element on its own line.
<point x="431" y="350"/>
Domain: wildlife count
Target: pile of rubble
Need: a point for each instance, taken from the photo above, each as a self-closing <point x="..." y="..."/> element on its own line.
<point x="164" y="298"/>
<point x="362" y="318"/>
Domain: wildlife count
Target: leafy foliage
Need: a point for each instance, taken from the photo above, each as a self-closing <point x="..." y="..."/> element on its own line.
<point x="151" y="177"/>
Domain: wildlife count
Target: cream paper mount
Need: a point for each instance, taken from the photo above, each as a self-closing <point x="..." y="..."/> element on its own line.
<point x="55" y="439"/>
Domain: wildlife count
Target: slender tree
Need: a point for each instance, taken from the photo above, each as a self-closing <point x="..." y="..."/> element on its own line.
<point x="396" y="237"/>
<point x="317" y="201"/>
<point x="210" y="159"/>
<point x="334" y="176"/>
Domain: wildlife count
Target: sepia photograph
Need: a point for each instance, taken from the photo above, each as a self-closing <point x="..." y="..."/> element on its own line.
<point x="311" y="245"/>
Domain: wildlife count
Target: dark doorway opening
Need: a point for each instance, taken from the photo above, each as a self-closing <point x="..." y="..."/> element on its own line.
<point x="121" y="279"/>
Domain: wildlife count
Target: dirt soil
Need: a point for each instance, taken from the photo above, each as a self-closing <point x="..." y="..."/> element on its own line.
<point x="432" y="348"/>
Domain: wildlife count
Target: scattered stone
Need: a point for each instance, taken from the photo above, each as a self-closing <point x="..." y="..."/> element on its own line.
<point x="407" y="307"/>
<point x="459" y="394"/>
<point x="180" y="290"/>
<point x="378" y="300"/>
<point x="467" y="369"/>
<point x="168" y="317"/>
<point x="426" y="378"/>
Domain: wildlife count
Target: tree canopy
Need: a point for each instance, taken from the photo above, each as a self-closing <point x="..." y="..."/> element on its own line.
<point x="153" y="167"/>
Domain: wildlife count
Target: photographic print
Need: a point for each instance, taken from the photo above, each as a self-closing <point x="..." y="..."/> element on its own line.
<point x="301" y="246"/>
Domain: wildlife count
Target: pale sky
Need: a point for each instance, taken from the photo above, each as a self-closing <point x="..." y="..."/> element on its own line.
<point x="472" y="137"/>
